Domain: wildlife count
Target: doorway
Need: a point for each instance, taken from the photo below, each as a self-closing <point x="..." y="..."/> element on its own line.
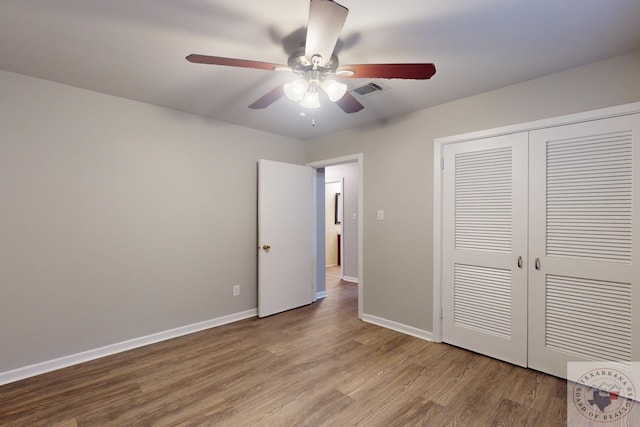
<point x="354" y="215"/>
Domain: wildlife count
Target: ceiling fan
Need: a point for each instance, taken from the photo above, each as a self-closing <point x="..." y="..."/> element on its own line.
<point x="316" y="64"/>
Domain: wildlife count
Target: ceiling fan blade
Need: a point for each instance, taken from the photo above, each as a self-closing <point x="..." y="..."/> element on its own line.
<point x="269" y="98"/>
<point x="326" y="19"/>
<point x="232" y="62"/>
<point x="349" y="104"/>
<point x="389" y="71"/>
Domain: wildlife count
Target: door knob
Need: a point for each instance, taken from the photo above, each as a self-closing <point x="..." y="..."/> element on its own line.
<point x="266" y="247"/>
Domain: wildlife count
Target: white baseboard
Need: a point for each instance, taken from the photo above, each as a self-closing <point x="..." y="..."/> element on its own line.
<point x="350" y="279"/>
<point x="85" y="356"/>
<point x="321" y="295"/>
<point x="399" y="327"/>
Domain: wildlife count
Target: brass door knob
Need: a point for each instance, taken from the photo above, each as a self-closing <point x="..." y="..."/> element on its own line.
<point x="266" y="247"/>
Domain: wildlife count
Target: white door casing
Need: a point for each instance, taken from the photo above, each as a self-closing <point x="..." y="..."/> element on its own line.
<point x="285" y="236"/>
<point x="485" y="247"/>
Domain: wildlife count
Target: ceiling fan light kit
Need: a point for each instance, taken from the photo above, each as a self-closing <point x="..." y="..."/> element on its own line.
<point x="296" y="89"/>
<point x="305" y="91"/>
<point x="334" y="90"/>
<point x="315" y="62"/>
<point x="311" y="100"/>
<point x="314" y="77"/>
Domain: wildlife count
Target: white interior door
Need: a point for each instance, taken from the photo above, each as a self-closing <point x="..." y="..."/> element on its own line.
<point x="285" y="236"/>
<point x="585" y="216"/>
<point x="484" y="277"/>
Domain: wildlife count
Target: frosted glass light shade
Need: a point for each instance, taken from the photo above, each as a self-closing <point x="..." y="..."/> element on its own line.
<point x="334" y="89"/>
<point x="311" y="100"/>
<point x="296" y="89"/>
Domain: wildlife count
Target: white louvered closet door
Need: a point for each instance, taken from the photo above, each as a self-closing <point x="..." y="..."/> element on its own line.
<point x="584" y="290"/>
<point x="484" y="234"/>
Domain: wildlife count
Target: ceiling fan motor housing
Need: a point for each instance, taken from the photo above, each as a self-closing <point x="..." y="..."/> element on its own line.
<point x="299" y="63"/>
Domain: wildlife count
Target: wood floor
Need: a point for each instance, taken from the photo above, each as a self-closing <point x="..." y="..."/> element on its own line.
<point x="317" y="365"/>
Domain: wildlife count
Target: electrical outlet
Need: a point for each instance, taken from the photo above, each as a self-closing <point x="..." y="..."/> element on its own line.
<point x="236" y="290"/>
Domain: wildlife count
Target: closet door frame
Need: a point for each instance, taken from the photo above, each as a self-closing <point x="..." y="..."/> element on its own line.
<point x="438" y="165"/>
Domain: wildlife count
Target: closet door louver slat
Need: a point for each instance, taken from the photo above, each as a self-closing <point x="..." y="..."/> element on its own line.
<point x="482" y="290"/>
<point x="582" y="217"/>
<point x="588" y="318"/>
<point x="483" y="199"/>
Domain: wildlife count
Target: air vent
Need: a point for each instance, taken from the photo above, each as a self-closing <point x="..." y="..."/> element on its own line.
<point x="369" y="88"/>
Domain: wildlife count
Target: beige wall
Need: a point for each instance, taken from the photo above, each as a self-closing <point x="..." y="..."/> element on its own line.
<point x="349" y="174"/>
<point x="398" y="172"/>
<point x="331" y="228"/>
<point x="119" y="219"/>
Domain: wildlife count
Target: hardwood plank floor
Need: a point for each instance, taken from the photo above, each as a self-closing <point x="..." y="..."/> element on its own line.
<point x="317" y="365"/>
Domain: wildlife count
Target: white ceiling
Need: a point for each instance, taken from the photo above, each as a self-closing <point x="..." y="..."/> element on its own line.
<point x="136" y="48"/>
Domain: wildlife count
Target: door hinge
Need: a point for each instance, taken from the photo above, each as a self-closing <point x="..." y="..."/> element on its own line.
<point x="442" y="164"/>
<point x="441" y="313"/>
